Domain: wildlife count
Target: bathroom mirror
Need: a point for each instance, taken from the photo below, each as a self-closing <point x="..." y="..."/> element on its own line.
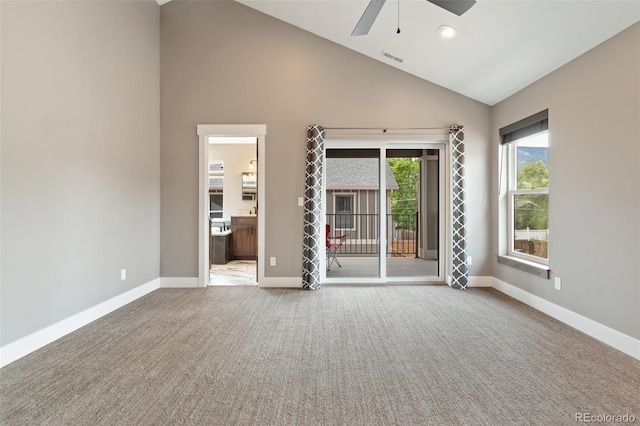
<point x="249" y="186"/>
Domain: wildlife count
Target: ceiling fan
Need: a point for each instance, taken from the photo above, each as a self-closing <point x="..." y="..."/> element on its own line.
<point x="370" y="14"/>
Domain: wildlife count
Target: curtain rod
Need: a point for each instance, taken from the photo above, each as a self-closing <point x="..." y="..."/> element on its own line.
<point x="350" y="132"/>
<point x="385" y="129"/>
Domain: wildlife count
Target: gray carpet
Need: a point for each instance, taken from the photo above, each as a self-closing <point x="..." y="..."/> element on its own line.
<point x="406" y="355"/>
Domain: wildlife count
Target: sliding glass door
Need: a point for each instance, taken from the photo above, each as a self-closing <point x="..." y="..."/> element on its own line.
<point x="352" y="206"/>
<point x="413" y="215"/>
<point x="383" y="212"/>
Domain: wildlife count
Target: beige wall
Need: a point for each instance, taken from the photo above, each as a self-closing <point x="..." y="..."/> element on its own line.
<point x="224" y="63"/>
<point x="80" y="157"/>
<point x="594" y="182"/>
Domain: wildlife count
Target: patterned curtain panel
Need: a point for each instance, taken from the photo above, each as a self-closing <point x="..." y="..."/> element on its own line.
<point x="460" y="272"/>
<point x="314" y="244"/>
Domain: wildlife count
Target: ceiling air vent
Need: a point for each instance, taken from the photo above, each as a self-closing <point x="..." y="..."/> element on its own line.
<point x="390" y="56"/>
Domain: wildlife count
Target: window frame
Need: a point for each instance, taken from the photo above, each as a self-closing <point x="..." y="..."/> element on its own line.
<point x="216" y="172"/>
<point x="512" y="192"/>
<point x="214" y="213"/>
<point x="352" y="195"/>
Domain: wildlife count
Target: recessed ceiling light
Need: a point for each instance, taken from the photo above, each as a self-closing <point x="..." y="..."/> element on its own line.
<point x="447" y="31"/>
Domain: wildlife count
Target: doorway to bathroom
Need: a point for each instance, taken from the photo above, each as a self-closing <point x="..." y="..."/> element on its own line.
<point x="233" y="169"/>
<point x="231" y="223"/>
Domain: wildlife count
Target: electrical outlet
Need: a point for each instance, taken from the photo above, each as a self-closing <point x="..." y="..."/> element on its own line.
<point x="558" y="283"/>
<point x="123" y="274"/>
<point x="300" y="201"/>
<point x="272" y="261"/>
<point x="469" y="260"/>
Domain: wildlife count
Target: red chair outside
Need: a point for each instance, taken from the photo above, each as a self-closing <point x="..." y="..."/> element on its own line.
<point x="333" y="245"/>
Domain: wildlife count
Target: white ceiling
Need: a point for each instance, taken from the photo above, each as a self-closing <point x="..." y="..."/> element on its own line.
<point x="501" y="47"/>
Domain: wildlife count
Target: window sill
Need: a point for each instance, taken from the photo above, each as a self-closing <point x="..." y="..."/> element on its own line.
<point x="537" y="269"/>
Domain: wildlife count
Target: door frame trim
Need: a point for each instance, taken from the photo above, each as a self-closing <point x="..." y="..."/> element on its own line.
<point x="444" y="199"/>
<point x="204" y="131"/>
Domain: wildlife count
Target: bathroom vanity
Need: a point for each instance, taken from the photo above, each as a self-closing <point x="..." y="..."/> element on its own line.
<point x="244" y="241"/>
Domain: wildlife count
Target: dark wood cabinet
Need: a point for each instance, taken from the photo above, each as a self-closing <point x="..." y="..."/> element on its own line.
<point x="221" y="249"/>
<point x="244" y="237"/>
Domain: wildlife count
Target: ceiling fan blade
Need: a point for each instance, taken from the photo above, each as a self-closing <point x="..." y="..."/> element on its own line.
<point x="457" y="7"/>
<point x="368" y="17"/>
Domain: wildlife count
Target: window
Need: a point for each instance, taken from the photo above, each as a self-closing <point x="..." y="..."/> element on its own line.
<point x="216" y="167"/>
<point x="215" y="205"/>
<point x="344" y="210"/>
<point x="216" y="183"/>
<point x="527" y="158"/>
<point x="216" y="189"/>
<point x="528" y="197"/>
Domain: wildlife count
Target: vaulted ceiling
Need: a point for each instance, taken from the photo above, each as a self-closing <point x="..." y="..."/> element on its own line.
<point x="501" y="46"/>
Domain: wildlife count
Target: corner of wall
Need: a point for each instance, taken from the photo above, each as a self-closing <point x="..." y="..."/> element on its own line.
<point x="607" y="335"/>
<point x="34" y="341"/>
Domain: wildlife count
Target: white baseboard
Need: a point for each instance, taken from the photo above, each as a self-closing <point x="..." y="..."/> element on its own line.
<point x="480" y="281"/>
<point x="179" y="282"/>
<point x="611" y="337"/>
<point x="280" y="282"/>
<point x="34" y="341"/>
<point x="473" y="281"/>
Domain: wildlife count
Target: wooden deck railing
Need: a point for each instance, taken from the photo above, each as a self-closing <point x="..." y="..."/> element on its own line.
<point x="363" y="233"/>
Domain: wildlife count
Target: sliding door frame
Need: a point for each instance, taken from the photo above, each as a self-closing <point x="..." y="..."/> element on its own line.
<point x="444" y="200"/>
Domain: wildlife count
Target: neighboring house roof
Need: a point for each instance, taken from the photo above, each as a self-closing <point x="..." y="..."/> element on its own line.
<point x="356" y="173"/>
<point x="521" y="204"/>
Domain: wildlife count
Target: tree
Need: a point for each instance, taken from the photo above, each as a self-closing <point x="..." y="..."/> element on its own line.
<point x="404" y="200"/>
<point x="533" y="175"/>
<point x="532" y="210"/>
